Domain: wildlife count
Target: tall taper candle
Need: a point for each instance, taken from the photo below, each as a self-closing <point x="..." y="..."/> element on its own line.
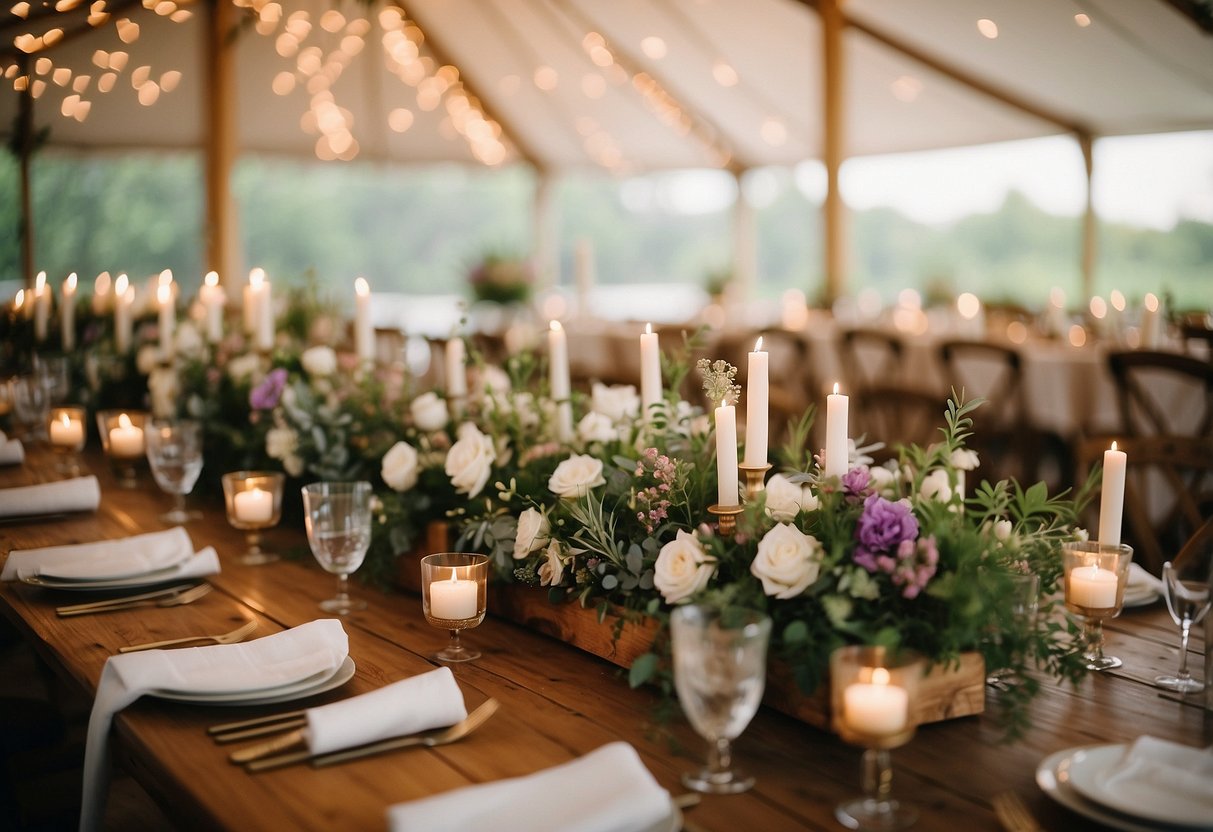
<point x="42" y="307"/>
<point x="837" y="452"/>
<point x="456" y="374"/>
<point x="67" y="313"/>
<point x="364" y="335"/>
<point x="124" y="299"/>
<point x="101" y="293"/>
<point x="726" y="455"/>
<point x="650" y="369"/>
<point x="558" y="380"/>
<point x="213" y="300"/>
<point x="757" y="411"/>
<point x="259" y="293"/>
<point x="1112" y="496"/>
<point x="1150" y="322"/>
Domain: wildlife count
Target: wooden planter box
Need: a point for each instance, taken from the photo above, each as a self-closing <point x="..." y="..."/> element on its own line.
<point x="944" y="694"/>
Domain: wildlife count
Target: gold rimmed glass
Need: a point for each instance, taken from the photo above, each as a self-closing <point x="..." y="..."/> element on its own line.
<point x="67" y="431"/>
<point x="122" y="439"/>
<point x="253" y="500"/>
<point x="1095" y="578"/>
<point x="454" y="596"/>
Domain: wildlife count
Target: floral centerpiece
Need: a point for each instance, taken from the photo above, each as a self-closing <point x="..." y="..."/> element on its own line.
<point x="501" y="278"/>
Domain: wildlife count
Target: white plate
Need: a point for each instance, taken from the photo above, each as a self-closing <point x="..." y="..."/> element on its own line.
<point x="160" y="576"/>
<point x="268" y="696"/>
<point x="69" y="568"/>
<point x="670" y="823"/>
<point x="1088" y="771"/>
<point x="1141" y="598"/>
<point x="1053" y="777"/>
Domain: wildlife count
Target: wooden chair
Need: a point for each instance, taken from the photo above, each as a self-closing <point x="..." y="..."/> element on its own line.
<point x="1168" y="492"/>
<point x="1199" y="545"/>
<point x="1196" y="333"/>
<point x="1141" y="381"/>
<point x="896" y="416"/>
<point x="870" y="357"/>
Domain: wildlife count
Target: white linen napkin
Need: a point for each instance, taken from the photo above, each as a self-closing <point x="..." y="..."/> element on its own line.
<point x="102" y="559"/>
<point x="607" y="790"/>
<point x="1141" y="581"/>
<point x="12" y="452"/>
<point x="79" y="494"/>
<point x="280" y="659"/>
<point x="419" y="703"/>
<point x="1162" y="772"/>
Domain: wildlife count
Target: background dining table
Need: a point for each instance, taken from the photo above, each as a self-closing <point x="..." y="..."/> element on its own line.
<point x="556" y="702"/>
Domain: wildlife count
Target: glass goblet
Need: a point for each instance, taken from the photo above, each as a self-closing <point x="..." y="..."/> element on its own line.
<point x="122" y="439"/>
<point x="873" y="694"/>
<point x="174" y="453"/>
<point x="253" y="500"/>
<point x="67" y="433"/>
<point x="1188" y="601"/>
<point x="1095" y="579"/>
<point x="31" y="406"/>
<point x="454" y="598"/>
<point x="338" y="520"/>
<point x="719" y="672"/>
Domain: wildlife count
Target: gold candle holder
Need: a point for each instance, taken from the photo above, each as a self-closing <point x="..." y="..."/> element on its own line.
<point x="755" y="479"/>
<point x="726" y="518"/>
<point x="454" y="597"/>
<point x="67" y="432"/>
<point x="253" y="500"/>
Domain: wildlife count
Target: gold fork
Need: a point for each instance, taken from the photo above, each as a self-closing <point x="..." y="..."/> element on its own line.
<point x="234" y="636"/>
<point x="447" y="735"/>
<point x="1013" y="814"/>
<point x="186" y="597"/>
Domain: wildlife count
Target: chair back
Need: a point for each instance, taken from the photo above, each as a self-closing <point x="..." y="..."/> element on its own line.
<point x="870" y="357"/>
<point x="896" y="415"/>
<point x="1162" y="393"/>
<point x="991" y="371"/>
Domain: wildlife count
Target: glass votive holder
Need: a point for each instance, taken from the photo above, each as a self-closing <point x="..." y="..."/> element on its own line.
<point x="1095" y="578"/>
<point x="253" y="500"/>
<point x="122" y="439"/>
<point x="454" y="597"/>
<point x="65" y="428"/>
<point x="873" y="699"/>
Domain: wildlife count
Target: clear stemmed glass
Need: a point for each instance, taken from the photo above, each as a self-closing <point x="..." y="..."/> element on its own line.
<point x="1095" y="579"/>
<point x="454" y="598"/>
<point x="67" y="431"/>
<point x="174" y="453"/>
<point x="253" y="500"/>
<point x="719" y="672"/>
<point x="338" y="520"/>
<point x="1188" y="602"/>
<point x="873" y="697"/>
<point x="1023" y="601"/>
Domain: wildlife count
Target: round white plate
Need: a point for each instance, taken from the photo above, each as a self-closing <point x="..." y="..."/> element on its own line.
<point x="160" y="576"/>
<point x="670" y="823"/>
<point x="90" y="571"/>
<point x="268" y="696"/>
<point x="1141" y="598"/>
<point x="1053" y="777"/>
<point x="1088" y="771"/>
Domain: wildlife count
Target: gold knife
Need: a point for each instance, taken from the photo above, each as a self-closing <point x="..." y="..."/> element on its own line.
<point x="172" y="590"/>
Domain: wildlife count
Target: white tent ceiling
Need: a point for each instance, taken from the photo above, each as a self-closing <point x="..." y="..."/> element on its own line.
<point x="1139" y="66"/>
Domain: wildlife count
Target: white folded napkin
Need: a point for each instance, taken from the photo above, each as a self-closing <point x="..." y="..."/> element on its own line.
<point x="1158" y="772"/>
<point x="79" y="494"/>
<point x="607" y="790"/>
<point x="280" y="659"/>
<point x="431" y="700"/>
<point x="12" y="452"/>
<point x="1141" y="581"/>
<point x="102" y="559"/>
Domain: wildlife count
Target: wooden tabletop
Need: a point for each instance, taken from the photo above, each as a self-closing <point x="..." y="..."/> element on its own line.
<point x="557" y="703"/>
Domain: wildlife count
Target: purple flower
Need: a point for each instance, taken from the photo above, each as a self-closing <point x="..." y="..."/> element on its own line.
<point x="882" y="527"/>
<point x="265" y="395"/>
<point x="855" y="481"/>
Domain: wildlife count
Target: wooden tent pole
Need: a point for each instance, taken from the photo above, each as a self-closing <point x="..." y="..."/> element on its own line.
<point x="1090" y="250"/>
<point x="545" y="233"/>
<point x="25" y="140"/>
<point x="745" y="243"/>
<point x="222" y="236"/>
<point x="832" y="23"/>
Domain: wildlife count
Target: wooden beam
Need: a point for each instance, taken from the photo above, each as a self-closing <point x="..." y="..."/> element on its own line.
<point x="833" y="149"/>
<point x="545" y="230"/>
<point x="745" y="243"/>
<point x="25" y="143"/>
<point x="1090" y="229"/>
<point x="222" y="232"/>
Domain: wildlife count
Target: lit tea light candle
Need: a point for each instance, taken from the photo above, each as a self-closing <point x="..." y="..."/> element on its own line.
<point x="1092" y="587"/>
<point x="837" y="416"/>
<point x="454" y="600"/>
<point x="876" y="708"/>
<point x="650" y="370"/>
<point x="67" y="312"/>
<point x="126" y="440"/>
<point x="66" y="432"/>
<point x="253" y="506"/>
<point x="757" y="408"/>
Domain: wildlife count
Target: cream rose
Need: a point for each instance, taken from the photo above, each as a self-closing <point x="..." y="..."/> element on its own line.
<point x="596" y="427"/>
<point x="429" y="412"/>
<point x="533" y="533"/>
<point x="786" y="499"/>
<point x="935" y="486"/>
<point x="189" y="341"/>
<point x="788" y="561"/>
<point x="319" y="362"/>
<point x="575" y="476"/>
<point x="490" y="380"/>
<point x="552" y="569"/>
<point x="617" y="402"/>
<point x="683" y="568"/>
<point x="470" y="461"/>
<point x="399" y="468"/>
<point x="244" y="367"/>
<point x="884" y="481"/>
<point x="164" y="388"/>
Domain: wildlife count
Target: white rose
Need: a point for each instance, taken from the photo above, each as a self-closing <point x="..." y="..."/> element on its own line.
<point x="147" y="358"/>
<point x="884" y="481"/>
<point x="1082" y="535"/>
<point x="429" y="412"/>
<point x="533" y="532"/>
<point x="788" y="561"/>
<point x="596" y="427"/>
<point x="470" y="461"/>
<point x="935" y="485"/>
<point x="617" y="402"/>
<point x="319" y="361"/>
<point x="189" y="341"/>
<point x="552" y="569"/>
<point x="164" y="387"/>
<point x="683" y="568"/>
<point x="281" y="442"/>
<point x="575" y="476"/>
<point x="399" y="468"/>
<point x="964" y="459"/>
<point x="786" y="499"/>
<point x="490" y="380"/>
<point x="244" y="367"/>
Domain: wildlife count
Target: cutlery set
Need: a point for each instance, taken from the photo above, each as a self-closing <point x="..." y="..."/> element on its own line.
<point x="173" y="596"/>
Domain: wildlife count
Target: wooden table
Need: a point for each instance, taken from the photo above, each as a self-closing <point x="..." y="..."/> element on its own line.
<point x="557" y="703"/>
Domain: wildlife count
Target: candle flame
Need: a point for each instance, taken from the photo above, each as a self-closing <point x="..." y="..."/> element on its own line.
<point x="256" y="277"/>
<point x="65" y="419"/>
<point x="69" y="285"/>
<point x="555" y="326"/>
<point x="211" y="279"/>
<point x="166" y="277"/>
<point x="164" y="294"/>
<point x="880" y="676"/>
<point x="648" y="329"/>
<point x="124" y="421"/>
<point x="835" y="388"/>
<point x="1151" y="302"/>
<point x="120" y="285"/>
<point x="102" y="284"/>
<point x="19" y="301"/>
<point x="361" y="287"/>
<point x="1113" y="444"/>
<point x="758" y="344"/>
<point x="40" y="282"/>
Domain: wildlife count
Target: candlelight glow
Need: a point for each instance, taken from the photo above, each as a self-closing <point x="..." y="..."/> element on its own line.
<point x="164" y="294"/>
<point x="361" y="287"/>
<point x="1151" y="302"/>
<point x="124" y="421"/>
<point x="63" y="417"/>
<point x="211" y="279"/>
<point x="880" y="676"/>
<point x="1118" y="300"/>
<point x="102" y="284"/>
<point x="39" y="283"/>
<point x="648" y="329"/>
<point x="1078" y="335"/>
<point x="555" y="326"/>
<point x="166" y="277"/>
<point x="1113" y="444"/>
<point x="19" y="301"/>
<point x="1099" y="307"/>
<point x="120" y="285"/>
<point x="758" y="344"/>
<point x="835" y="388"/>
<point x="256" y="277"/>
<point x="968" y="305"/>
<point x="69" y="285"/>
<point x="1017" y="332"/>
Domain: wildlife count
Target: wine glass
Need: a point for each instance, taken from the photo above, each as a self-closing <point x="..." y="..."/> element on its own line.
<point x="873" y="697"/>
<point x="719" y="672"/>
<point x="454" y="598"/>
<point x="1188" y="603"/>
<point x="338" y="520"/>
<point x="1095" y="579"/>
<point x="253" y="500"/>
<point x="174" y="453"/>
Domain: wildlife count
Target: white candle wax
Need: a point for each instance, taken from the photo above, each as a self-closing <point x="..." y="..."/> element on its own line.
<point x="650" y="369"/>
<point x="101" y="293"/>
<point x="213" y="299"/>
<point x="253" y="506"/>
<point x="67" y="432"/>
<point x="726" y="455"/>
<point x="1092" y="587"/>
<point x="67" y="313"/>
<point x="456" y="373"/>
<point x="1149" y="322"/>
<point x="453" y="600"/>
<point x="42" y="306"/>
<point x="364" y="335"/>
<point x="558" y="380"/>
<point x="1112" y="496"/>
<point x="876" y="709"/>
<point x="757" y="411"/>
<point x="265" y="318"/>
<point x="168" y="317"/>
<point x="837" y="452"/>
<point x="124" y="298"/>
<point x="126" y="440"/>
